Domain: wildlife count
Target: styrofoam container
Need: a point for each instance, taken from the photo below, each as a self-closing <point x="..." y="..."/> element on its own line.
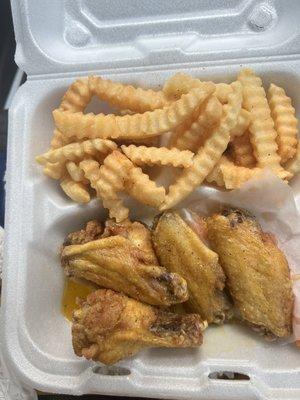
<point x="142" y="42"/>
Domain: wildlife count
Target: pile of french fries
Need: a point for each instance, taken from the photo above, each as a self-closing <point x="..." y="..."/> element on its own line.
<point x="220" y="133"/>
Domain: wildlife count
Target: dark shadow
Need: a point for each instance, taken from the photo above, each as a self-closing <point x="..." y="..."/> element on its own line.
<point x="7" y="50"/>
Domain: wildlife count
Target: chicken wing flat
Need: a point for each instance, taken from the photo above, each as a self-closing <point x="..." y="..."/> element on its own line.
<point x="125" y="262"/>
<point x="109" y="326"/>
<point x="181" y="250"/>
<point x="257" y="272"/>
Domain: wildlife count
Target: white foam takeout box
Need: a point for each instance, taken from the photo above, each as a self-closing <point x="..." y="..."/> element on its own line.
<point x="141" y="42"/>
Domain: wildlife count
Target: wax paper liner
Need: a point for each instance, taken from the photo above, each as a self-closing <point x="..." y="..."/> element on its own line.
<point x="273" y="202"/>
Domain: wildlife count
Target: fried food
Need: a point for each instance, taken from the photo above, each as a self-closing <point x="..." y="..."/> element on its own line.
<point x="125" y="262"/>
<point x="192" y="134"/>
<point x="241" y="125"/>
<point x="262" y="131"/>
<point x="77" y="191"/>
<point x="59" y="164"/>
<point x="143" y="189"/>
<point x="126" y="96"/>
<point x="77" y="97"/>
<point x="92" y="231"/>
<point x="208" y="155"/>
<point x="109" y="326"/>
<point x="257" y="272"/>
<point x="55" y="170"/>
<point x="180" y="249"/>
<point x="148" y="124"/>
<point x="216" y="175"/>
<point x="74" y="100"/>
<point x="136" y="232"/>
<point x="81" y="92"/>
<point x="293" y="166"/>
<point x="285" y="122"/>
<point x="118" y="174"/>
<point x="235" y="176"/>
<point x="190" y="124"/>
<point x="231" y="176"/>
<point x="108" y="180"/>
<point x="181" y="83"/>
<point x="142" y="155"/>
<point x="59" y="140"/>
<point x="76" y="172"/>
<point x="77" y="151"/>
<point x="242" y="151"/>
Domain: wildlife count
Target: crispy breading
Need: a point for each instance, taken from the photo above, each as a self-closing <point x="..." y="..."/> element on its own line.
<point x="92" y="231"/>
<point x="109" y="326"/>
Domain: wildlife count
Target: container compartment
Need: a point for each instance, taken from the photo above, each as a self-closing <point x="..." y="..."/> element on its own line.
<point x="140" y="42"/>
<point x="38" y="340"/>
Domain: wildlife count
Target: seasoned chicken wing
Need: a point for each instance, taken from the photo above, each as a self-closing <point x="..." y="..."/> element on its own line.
<point x="181" y="250"/>
<point x="110" y="326"/>
<point x="92" y="231"/>
<point x="257" y="272"/>
<point x="136" y="232"/>
<point x="125" y="262"/>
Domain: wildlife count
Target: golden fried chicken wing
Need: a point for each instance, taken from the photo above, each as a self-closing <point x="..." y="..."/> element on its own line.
<point x="110" y="326"/>
<point x="180" y="250"/>
<point x="92" y="231"/>
<point x="257" y="272"/>
<point x="136" y="232"/>
<point x="125" y="262"/>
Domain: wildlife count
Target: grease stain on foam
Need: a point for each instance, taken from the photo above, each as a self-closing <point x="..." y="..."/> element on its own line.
<point x="74" y="290"/>
<point x="244" y="339"/>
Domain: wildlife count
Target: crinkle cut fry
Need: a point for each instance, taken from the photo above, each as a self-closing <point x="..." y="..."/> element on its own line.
<point x="75" y="99"/>
<point x="283" y="114"/>
<point x="126" y="96"/>
<point x="81" y="91"/>
<point x="208" y="155"/>
<point x="181" y="83"/>
<point x="242" y="151"/>
<point x="58" y="140"/>
<point x="262" y="132"/>
<point x="293" y="166"/>
<point x="151" y="123"/>
<point x="75" y="151"/>
<point x="116" y="94"/>
<point x="134" y="181"/>
<point x="54" y="170"/>
<point x="77" y="191"/>
<point x="216" y="175"/>
<point x="242" y="124"/>
<point x="235" y="176"/>
<point x="118" y="174"/>
<point x="76" y="172"/>
<point x="143" y="189"/>
<point x="108" y="180"/>
<point x="142" y="155"/>
<point x="226" y="173"/>
<point x="192" y="136"/>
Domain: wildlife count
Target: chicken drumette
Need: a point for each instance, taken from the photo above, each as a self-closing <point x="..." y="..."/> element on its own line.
<point x="110" y="326"/>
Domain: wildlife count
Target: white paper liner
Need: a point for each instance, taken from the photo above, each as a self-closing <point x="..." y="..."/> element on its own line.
<point x="272" y="202"/>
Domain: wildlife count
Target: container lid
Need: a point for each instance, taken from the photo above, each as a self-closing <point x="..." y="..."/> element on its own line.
<point x="69" y="36"/>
